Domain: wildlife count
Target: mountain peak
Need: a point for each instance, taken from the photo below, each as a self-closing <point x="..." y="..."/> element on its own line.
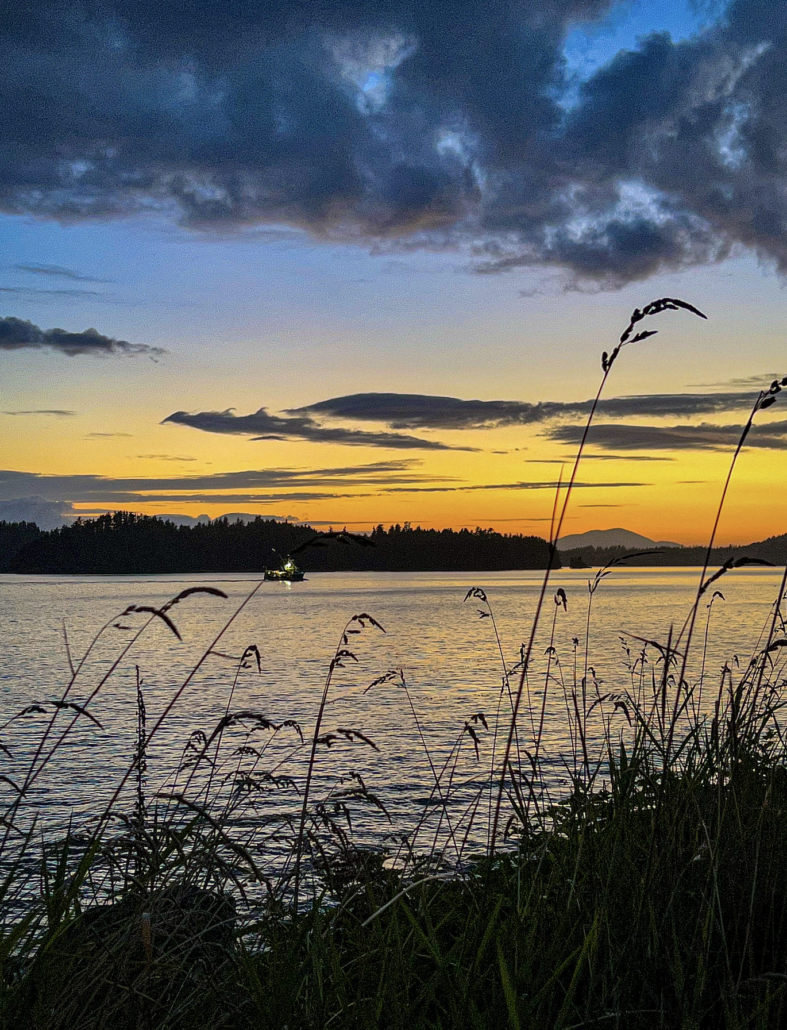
<point x="610" y="538"/>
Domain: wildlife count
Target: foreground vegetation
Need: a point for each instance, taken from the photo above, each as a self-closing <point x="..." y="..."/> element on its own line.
<point x="652" y="892"/>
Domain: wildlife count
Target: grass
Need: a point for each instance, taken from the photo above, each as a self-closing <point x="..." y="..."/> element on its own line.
<point x="651" y="893"/>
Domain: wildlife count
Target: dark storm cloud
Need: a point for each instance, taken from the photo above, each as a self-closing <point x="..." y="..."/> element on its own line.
<point x="704" y="437"/>
<point x="421" y="411"/>
<point x="436" y="123"/>
<point x="17" y="334"/>
<point x="309" y="484"/>
<point x="263" y="426"/>
<point x="59" y="272"/>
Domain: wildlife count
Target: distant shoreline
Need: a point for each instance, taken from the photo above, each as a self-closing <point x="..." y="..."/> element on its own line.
<point x="9" y="578"/>
<point x="124" y="544"/>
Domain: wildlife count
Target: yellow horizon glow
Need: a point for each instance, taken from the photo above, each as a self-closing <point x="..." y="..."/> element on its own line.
<point x="120" y="404"/>
<point x="678" y="503"/>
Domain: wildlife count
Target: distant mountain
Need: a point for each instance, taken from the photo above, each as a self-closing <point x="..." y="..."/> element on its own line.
<point x="45" y="514"/>
<point x="203" y="520"/>
<point x="610" y="538"/>
<point x="773" y="550"/>
<point x="185" y="520"/>
<point x="244" y="516"/>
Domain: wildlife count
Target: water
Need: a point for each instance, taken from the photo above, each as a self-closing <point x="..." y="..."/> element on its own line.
<point x="446" y="650"/>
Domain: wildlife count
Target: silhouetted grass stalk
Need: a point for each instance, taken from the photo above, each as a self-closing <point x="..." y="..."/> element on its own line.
<point x="607" y="361"/>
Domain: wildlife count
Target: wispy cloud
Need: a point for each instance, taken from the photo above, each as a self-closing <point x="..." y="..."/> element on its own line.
<point x="517" y="485"/>
<point x="569" y="459"/>
<point x="166" y="457"/>
<point x="59" y="272"/>
<point x="18" y="334"/>
<point x="753" y="382"/>
<point x="423" y="411"/>
<point x="262" y="426"/>
<point x="624" y="457"/>
<point x="54" y="412"/>
<point x="400" y="412"/>
<point x="32" y="292"/>
<point x="253" y="485"/>
<point x="704" y="437"/>
<point x="101" y="436"/>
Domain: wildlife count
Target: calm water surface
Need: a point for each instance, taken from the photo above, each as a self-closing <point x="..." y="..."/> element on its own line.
<point x="447" y="651"/>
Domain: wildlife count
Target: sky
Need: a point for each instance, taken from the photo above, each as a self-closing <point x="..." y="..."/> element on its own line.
<point x="355" y="261"/>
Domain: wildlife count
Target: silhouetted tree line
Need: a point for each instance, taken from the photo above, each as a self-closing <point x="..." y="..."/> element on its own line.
<point x="774" y="549"/>
<point x="13" y="537"/>
<point x="412" y="549"/>
<point x="123" y="543"/>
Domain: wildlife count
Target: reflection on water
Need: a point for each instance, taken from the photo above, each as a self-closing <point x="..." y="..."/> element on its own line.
<point x="445" y="648"/>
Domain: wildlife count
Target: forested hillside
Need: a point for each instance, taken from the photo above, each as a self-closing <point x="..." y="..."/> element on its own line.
<point x="124" y="543"/>
<point x="774" y="549"/>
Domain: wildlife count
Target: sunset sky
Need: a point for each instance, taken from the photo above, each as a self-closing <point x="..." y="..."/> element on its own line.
<point x="355" y="262"/>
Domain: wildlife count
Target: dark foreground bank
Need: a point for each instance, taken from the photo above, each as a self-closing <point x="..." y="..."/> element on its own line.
<point x="655" y="895"/>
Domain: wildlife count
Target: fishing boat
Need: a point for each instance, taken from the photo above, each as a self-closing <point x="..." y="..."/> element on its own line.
<point x="287" y="572"/>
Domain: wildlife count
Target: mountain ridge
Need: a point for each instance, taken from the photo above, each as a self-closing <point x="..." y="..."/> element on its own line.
<point x="617" y="537"/>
